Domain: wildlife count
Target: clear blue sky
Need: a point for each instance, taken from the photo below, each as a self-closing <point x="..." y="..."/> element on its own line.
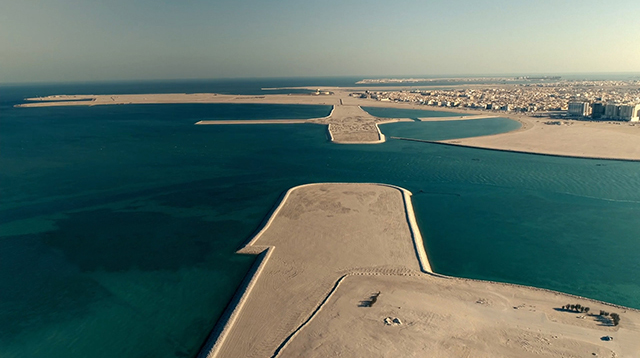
<point x="74" y="40"/>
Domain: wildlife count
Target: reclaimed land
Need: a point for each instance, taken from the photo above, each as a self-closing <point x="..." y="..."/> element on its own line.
<point x="342" y="271"/>
<point x="605" y="140"/>
<point x="345" y="125"/>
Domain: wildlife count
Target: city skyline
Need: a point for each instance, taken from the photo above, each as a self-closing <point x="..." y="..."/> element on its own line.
<point x="81" y="41"/>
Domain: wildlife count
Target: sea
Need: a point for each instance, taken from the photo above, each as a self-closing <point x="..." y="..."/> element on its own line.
<point x="119" y="224"/>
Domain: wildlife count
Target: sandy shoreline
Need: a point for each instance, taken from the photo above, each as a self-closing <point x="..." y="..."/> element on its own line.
<point x="327" y="249"/>
<point x="456" y="118"/>
<point x="173" y="98"/>
<point x="583" y="139"/>
<point x="253" y="121"/>
<point x="610" y="140"/>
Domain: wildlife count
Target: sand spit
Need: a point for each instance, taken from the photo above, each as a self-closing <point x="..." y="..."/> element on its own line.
<point x="367" y="224"/>
<point x="352" y="125"/>
<point x="605" y="140"/>
<point x="454" y="118"/>
<point x="345" y="125"/>
<point x="253" y="121"/>
<point x="164" y="98"/>
<point x="342" y="272"/>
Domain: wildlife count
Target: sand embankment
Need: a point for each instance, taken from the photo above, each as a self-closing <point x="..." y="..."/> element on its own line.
<point x="455" y="118"/>
<point x="328" y="249"/>
<point x="353" y="125"/>
<point x="173" y="98"/>
<point x="317" y="235"/>
<point x="345" y="125"/>
<point x="605" y="140"/>
<point x="253" y="121"/>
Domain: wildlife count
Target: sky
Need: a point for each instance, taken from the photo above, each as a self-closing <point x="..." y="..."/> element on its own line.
<point x="95" y="40"/>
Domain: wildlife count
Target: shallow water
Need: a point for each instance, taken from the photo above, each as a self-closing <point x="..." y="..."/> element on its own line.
<point x="390" y="112"/>
<point x="118" y="225"/>
<point x="450" y="129"/>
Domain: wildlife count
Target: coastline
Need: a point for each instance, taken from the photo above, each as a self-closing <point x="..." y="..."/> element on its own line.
<point x="215" y="345"/>
<point x="259" y="324"/>
<point x="455" y="144"/>
<point x="350" y="124"/>
<point x="611" y="194"/>
<point x="577" y="139"/>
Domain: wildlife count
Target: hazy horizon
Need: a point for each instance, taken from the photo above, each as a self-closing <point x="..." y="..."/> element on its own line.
<point x="75" y="41"/>
<point x="577" y="75"/>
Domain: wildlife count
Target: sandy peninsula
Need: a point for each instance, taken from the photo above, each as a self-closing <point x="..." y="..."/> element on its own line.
<point x="345" y="125"/>
<point x="164" y="98"/>
<point x="575" y="138"/>
<point x="607" y="140"/>
<point x="342" y="272"/>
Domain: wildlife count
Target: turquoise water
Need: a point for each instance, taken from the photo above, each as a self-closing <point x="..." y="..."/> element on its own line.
<point x="406" y="113"/>
<point x="440" y="130"/>
<point x="445" y="129"/>
<point x="118" y="225"/>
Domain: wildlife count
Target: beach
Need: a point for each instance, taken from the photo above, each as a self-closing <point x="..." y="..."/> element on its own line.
<point x="342" y="271"/>
<point x="588" y="139"/>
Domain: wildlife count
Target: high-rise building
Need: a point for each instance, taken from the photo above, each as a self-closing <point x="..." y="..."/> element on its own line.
<point x="579" y="109"/>
<point x="597" y="110"/>
<point x="629" y="112"/>
<point x="611" y="111"/>
<point x="622" y="112"/>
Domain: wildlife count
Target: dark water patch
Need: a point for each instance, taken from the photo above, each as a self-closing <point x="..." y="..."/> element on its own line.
<point x="119" y="241"/>
<point x="39" y="287"/>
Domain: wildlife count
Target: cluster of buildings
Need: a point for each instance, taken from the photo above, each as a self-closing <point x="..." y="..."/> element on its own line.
<point x="599" y="110"/>
<point x="578" y="98"/>
<point x="458" y="79"/>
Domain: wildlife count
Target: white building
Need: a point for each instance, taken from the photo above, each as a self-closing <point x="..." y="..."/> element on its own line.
<point x="629" y="112"/>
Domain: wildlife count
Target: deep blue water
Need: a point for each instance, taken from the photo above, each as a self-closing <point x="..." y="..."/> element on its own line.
<point x="118" y="225"/>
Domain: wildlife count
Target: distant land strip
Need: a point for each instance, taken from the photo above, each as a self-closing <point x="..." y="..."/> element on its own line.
<point x="350" y="124"/>
<point x="451" y="144"/>
<point x="455" y="118"/>
<point x="254" y="121"/>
